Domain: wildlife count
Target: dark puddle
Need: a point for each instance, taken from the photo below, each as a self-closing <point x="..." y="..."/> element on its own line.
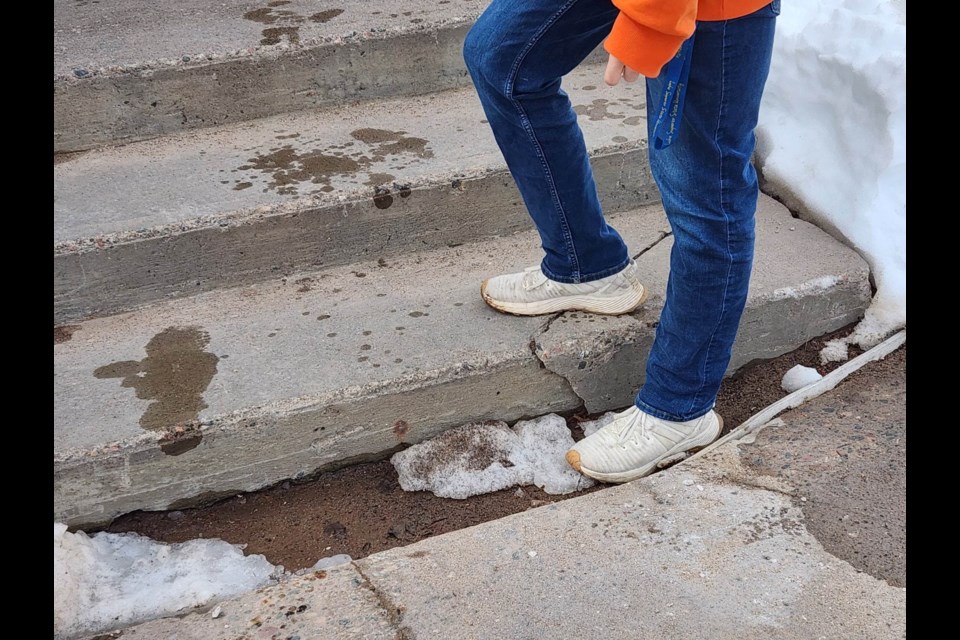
<point x="174" y="374"/>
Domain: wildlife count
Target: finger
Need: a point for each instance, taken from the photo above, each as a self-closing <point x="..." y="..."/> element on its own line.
<point x="613" y="72"/>
<point x="629" y="75"/>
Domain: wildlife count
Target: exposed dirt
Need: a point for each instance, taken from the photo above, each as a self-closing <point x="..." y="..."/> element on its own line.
<point x="361" y="510"/>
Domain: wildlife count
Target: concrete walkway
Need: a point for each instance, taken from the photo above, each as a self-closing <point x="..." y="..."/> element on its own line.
<point x="797" y="535"/>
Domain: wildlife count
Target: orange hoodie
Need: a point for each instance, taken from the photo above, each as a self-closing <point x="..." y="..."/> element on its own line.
<point x="647" y="33"/>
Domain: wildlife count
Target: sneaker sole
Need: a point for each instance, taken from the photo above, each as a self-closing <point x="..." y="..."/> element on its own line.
<point x="573" y="458"/>
<point x="605" y="306"/>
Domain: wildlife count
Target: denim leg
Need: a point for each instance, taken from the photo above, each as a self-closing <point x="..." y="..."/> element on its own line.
<point x="516" y="54"/>
<point x="709" y="191"/>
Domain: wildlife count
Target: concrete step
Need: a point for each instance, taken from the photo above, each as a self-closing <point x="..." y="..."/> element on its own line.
<point x="238" y="389"/>
<point x="752" y="540"/>
<point x="129" y="71"/>
<point x="241" y="203"/>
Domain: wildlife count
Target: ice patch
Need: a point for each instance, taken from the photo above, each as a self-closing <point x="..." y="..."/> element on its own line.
<point x="831" y="141"/>
<point x="488" y="456"/>
<point x="799" y="377"/>
<point x="331" y="561"/>
<point x="808" y="288"/>
<point x="108" y="580"/>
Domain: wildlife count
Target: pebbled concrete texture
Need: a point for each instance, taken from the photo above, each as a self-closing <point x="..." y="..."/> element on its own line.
<point x="673" y="556"/>
<point x="336" y="603"/>
<point x="727" y="544"/>
<point x="238" y="389"/>
<point x="844" y="454"/>
<point x="309" y="190"/>
<point x="127" y="71"/>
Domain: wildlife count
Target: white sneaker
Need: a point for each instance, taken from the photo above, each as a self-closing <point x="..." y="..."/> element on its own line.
<point x="631" y="446"/>
<point x="531" y="293"/>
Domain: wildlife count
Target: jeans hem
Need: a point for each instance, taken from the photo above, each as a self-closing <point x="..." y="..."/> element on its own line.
<point x="672" y="417"/>
<point x="590" y="277"/>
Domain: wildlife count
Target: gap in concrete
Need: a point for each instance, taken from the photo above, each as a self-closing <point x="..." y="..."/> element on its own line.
<point x="360" y="509"/>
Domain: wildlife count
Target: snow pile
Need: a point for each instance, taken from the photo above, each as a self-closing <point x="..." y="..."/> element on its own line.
<point x="488" y="456"/>
<point x="831" y="142"/>
<point x="799" y="377"/>
<point x="113" y="580"/>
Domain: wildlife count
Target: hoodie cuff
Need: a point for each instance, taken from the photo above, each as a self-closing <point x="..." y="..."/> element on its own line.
<point x="641" y="48"/>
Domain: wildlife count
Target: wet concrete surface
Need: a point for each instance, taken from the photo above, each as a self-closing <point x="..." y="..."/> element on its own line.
<point x="845" y="453"/>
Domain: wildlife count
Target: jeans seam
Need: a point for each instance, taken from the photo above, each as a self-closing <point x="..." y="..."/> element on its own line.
<point x="726" y="218"/>
<point x="525" y="120"/>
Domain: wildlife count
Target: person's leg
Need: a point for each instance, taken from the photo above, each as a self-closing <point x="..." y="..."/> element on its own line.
<point x="516" y="54"/>
<point x="709" y="191"/>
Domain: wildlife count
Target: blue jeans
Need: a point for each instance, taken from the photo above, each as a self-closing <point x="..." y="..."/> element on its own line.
<point x="516" y="54"/>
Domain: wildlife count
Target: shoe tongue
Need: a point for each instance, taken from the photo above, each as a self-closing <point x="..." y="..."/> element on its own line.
<point x="534" y="279"/>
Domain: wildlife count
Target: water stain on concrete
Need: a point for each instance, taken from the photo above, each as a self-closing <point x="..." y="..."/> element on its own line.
<point x="174" y="374"/>
<point x="288" y="22"/>
<point x="633" y="121"/>
<point x="289" y="167"/>
<point x="597" y="110"/>
<point x="273" y="35"/>
<point x="64" y="333"/>
<point x="325" y="16"/>
<point x="388" y="143"/>
<point x="380" y="179"/>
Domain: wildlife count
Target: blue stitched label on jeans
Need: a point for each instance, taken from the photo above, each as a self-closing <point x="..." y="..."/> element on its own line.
<point x="675" y="73"/>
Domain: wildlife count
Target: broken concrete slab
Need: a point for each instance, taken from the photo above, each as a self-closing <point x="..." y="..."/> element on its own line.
<point x="728" y="544"/>
<point x="335" y="603"/>
<point x="235" y="390"/>
<point x="787" y="305"/>
<point x="672" y="556"/>
<point x="309" y="191"/>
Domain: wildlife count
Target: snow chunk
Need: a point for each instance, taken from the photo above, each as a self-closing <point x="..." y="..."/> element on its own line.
<point x="831" y="141"/>
<point x="111" y="580"/>
<point x="590" y="428"/>
<point x="799" y="377"/>
<point x="488" y="456"/>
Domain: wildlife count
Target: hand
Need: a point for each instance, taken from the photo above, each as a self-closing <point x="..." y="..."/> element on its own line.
<point x="616" y="70"/>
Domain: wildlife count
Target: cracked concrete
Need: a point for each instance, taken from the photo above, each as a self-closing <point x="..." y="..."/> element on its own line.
<point x="733" y="543"/>
<point x="393" y="612"/>
<point x="316" y="370"/>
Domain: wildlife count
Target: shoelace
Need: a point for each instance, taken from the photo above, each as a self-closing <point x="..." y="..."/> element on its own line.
<point x="625" y="433"/>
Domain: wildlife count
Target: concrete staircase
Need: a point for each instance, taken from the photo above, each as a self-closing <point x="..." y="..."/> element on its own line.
<point x="267" y="254"/>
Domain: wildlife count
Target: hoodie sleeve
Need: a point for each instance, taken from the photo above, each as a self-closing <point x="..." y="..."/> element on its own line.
<point x="647" y="33"/>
